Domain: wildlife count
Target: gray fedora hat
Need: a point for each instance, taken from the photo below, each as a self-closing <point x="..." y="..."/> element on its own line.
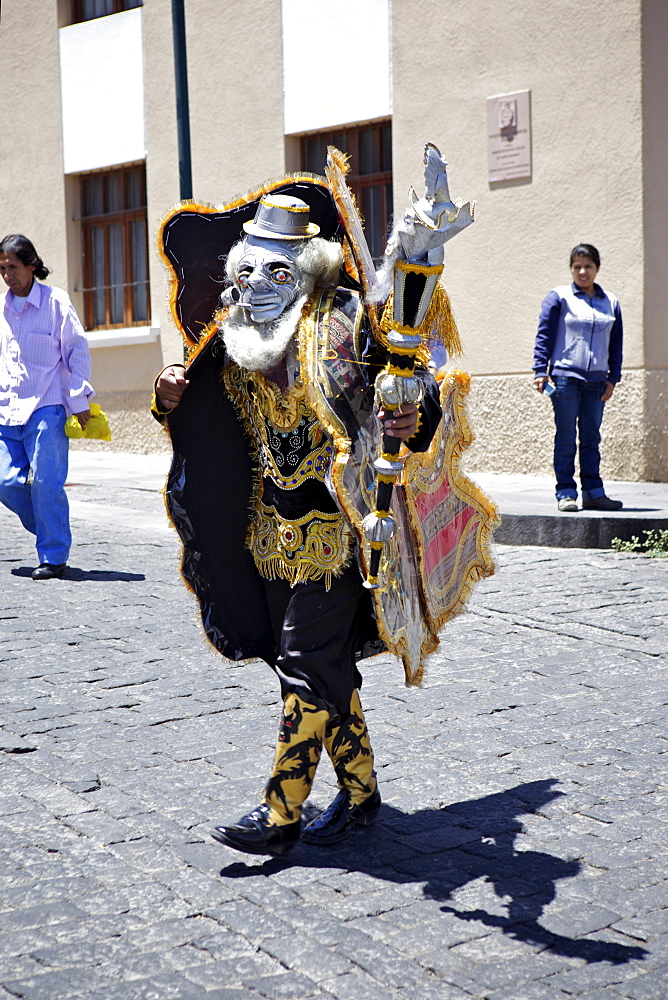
<point x="279" y="217"/>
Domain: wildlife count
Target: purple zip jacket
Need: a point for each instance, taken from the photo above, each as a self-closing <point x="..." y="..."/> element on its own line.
<point x="579" y="336"/>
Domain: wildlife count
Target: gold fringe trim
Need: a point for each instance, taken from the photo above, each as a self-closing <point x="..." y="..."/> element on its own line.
<point x="209" y="332"/>
<point x="419" y="424"/>
<point x="347" y="213"/>
<point x="408" y="268"/>
<point x="156" y="408"/>
<point x="401" y="372"/>
<point x="310" y="352"/>
<point x="294" y="550"/>
<point x="350" y="263"/>
<point x="439" y="324"/>
<point x="457" y="382"/>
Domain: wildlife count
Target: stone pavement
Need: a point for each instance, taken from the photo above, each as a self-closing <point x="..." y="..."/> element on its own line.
<point x="519" y="853"/>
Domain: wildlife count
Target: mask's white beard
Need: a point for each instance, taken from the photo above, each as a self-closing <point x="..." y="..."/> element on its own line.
<point x="260" y="346"/>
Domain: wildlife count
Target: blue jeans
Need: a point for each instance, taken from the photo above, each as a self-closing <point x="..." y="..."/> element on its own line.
<point x="577" y="406"/>
<point x="578" y="412"/>
<point x="39" y="448"/>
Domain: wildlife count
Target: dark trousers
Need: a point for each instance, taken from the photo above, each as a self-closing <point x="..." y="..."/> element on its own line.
<point x="578" y="411"/>
<point x="317" y="634"/>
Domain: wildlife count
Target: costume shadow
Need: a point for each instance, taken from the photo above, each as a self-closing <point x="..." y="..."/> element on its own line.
<point x="80" y="575"/>
<point x="450" y="847"/>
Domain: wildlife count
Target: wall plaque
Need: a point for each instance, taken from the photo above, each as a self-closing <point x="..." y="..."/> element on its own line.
<point x="509" y="136"/>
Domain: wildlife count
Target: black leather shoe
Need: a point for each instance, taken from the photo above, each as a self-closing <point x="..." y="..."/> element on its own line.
<point x="602" y="503"/>
<point x="254" y="834"/>
<point x="339" y="818"/>
<point x="48" y="571"/>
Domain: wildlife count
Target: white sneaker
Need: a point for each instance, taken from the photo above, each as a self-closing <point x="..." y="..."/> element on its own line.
<point x="567" y="503"/>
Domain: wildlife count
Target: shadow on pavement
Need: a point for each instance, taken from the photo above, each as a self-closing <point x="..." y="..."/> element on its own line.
<point x="456" y="845"/>
<point x="79" y="575"/>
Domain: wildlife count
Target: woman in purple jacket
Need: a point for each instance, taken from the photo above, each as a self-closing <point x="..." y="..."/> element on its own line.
<point x="578" y="361"/>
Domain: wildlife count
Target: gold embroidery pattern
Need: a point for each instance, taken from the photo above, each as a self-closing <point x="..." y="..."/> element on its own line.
<point x="283" y="409"/>
<point x="314" y="547"/>
<point x="290" y="448"/>
<point x="292" y="445"/>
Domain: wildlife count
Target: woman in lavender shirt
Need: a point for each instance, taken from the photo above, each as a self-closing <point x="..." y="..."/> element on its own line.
<point x="44" y="377"/>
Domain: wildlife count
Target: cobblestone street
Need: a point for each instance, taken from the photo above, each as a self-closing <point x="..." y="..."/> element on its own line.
<point x="519" y="853"/>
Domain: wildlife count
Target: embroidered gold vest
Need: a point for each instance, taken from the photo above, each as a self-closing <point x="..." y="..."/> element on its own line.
<point x="297" y="531"/>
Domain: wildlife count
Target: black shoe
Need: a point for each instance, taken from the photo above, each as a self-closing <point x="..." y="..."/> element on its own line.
<point x="337" y="821"/>
<point x="602" y="503"/>
<point x="254" y="834"/>
<point x="48" y="571"/>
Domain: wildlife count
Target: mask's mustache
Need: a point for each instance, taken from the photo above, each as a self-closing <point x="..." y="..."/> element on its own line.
<point x="230" y="297"/>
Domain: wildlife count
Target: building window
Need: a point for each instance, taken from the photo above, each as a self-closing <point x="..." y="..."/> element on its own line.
<point x="370" y="178"/>
<point x="115" y="248"/>
<point x="88" y="10"/>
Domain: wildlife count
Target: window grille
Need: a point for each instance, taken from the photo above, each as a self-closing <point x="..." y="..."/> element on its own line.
<point x="370" y="178"/>
<point x="115" y="248"/>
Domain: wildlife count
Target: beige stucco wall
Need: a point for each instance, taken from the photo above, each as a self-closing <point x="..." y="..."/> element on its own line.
<point x="653" y="418"/>
<point x="32" y="198"/>
<point x="514" y="427"/>
<point x="591" y="158"/>
<point x="655" y="425"/>
<point x="586" y="157"/>
<point x="162" y="162"/>
<point x="122" y="377"/>
<point x="236" y="115"/>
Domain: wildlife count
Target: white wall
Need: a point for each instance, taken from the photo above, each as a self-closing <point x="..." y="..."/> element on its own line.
<point x="102" y="87"/>
<point x="336" y="63"/>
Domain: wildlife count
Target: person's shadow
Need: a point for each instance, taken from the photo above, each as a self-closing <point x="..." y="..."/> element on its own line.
<point x="79" y="575"/>
<point x="448" y="848"/>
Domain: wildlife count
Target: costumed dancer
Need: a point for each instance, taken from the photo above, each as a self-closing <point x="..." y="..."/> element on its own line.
<point x="277" y="434"/>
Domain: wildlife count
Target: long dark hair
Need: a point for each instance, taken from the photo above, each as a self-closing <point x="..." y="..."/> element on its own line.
<point x="26" y="253"/>
<point x="585" y="250"/>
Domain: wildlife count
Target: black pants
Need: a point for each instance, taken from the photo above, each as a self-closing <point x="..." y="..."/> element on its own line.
<point x="318" y="633"/>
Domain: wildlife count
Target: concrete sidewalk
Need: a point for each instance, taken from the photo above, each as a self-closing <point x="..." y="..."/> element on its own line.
<point x="530" y="516"/>
<point x="527" y="503"/>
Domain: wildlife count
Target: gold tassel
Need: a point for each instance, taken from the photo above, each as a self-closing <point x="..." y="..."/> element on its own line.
<point x="439" y="324"/>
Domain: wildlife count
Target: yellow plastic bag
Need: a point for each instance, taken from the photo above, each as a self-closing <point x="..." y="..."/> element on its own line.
<point x="97" y="426"/>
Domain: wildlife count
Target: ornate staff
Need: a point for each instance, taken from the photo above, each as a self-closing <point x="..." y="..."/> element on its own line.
<point x="415" y="253"/>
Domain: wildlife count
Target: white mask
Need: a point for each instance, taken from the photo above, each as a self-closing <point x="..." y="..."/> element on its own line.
<point x="269" y="279"/>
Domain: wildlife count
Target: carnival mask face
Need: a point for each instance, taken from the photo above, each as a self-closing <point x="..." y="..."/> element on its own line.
<point x="269" y="280"/>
